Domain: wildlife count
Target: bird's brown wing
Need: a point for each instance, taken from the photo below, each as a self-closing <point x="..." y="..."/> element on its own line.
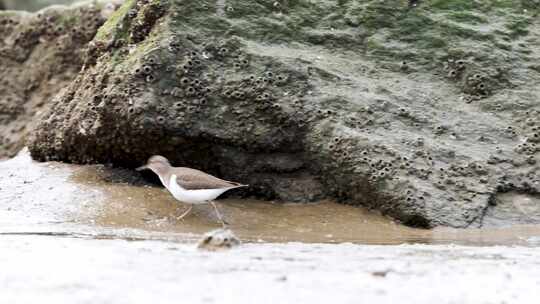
<point x="192" y="179"/>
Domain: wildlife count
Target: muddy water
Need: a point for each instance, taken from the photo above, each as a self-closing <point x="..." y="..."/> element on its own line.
<point x="120" y="203"/>
<point x="153" y="209"/>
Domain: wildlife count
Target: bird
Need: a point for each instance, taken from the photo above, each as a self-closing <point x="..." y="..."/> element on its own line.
<point x="190" y="186"/>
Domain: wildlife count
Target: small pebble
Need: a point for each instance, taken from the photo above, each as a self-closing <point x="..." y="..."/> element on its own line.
<point x="219" y="239"/>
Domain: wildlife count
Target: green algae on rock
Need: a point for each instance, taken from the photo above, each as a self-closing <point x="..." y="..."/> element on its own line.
<point x="418" y="111"/>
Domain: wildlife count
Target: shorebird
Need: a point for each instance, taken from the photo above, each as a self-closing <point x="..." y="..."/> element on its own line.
<point x="188" y="185"/>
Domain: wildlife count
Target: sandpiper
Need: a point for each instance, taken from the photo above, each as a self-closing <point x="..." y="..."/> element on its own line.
<point x="188" y="185"/>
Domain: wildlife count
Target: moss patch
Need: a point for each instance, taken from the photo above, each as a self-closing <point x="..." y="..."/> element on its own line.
<point x="111" y="26"/>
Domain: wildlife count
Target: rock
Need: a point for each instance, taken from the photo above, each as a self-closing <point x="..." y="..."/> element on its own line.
<point x="513" y="207"/>
<point x="32" y="5"/>
<point x="40" y="54"/>
<point x="219" y="239"/>
<point x="427" y="113"/>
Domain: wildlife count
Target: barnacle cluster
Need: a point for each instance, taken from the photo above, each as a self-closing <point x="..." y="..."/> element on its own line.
<point x="469" y="76"/>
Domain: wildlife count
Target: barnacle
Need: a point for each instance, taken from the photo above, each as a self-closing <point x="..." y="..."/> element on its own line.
<point x="185" y="81"/>
<point x="146" y="69"/>
<point x="150" y="78"/>
<point x="452" y="74"/>
<point x="404" y="66"/>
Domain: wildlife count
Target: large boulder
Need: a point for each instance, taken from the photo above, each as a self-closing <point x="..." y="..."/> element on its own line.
<point x="425" y="110"/>
<point x="40" y="54"/>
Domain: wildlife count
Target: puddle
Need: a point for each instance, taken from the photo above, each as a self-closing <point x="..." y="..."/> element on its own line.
<point x="114" y="203"/>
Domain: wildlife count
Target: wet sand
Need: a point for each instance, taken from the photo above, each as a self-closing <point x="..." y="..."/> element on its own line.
<point x="65" y="270"/>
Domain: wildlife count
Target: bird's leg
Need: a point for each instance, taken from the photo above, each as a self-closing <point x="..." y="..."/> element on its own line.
<point x="185" y="213"/>
<point x="223" y="222"/>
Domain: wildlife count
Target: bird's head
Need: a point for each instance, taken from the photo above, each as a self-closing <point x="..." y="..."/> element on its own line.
<point x="156" y="163"/>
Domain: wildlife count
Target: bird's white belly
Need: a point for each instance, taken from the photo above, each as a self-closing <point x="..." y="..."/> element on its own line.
<point x="193" y="196"/>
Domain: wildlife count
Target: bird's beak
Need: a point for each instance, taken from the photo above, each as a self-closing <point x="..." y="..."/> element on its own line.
<point x="142" y="168"/>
